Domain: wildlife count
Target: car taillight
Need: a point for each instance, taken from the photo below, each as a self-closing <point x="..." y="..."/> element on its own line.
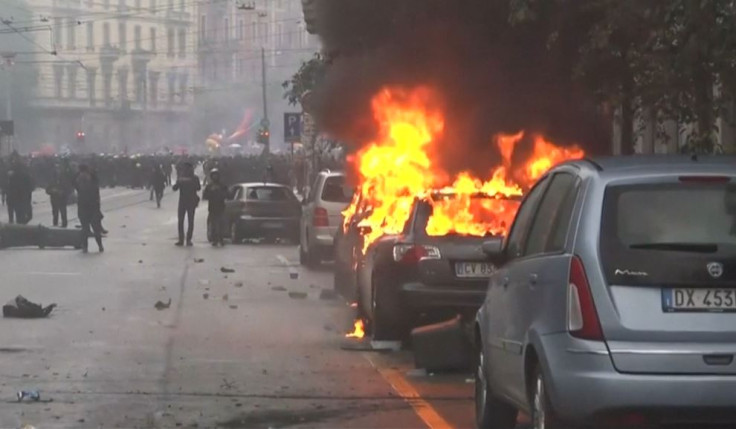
<point x="582" y="317"/>
<point x="320" y="217"/>
<point x="413" y="253"/>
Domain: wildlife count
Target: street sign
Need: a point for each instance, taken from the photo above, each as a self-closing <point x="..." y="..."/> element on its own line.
<point x="292" y="127"/>
<point x="6" y="128"/>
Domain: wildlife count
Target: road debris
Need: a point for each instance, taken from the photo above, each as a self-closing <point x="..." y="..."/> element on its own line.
<point x="297" y="295"/>
<point x="24" y="309"/>
<point x="140" y="261"/>
<point x="327" y="294"/>
<point x="233" y="306"/>
<point x="31" y="395"/>
<point x="205" y="295"/>
<point x="227" y="385"/>
<point x="198" y="260"/>
<point x="225" y="297"/>
<point x="161" y="306"/>
<point x="238" y="284"/>
<point x="293" y="275"/>
<point x="279" y="288"/>
<point x="226" y="270"/>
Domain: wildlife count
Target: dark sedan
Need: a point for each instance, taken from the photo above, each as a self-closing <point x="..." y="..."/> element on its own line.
<point x="412" y="274"/>
<point x="262" y="210"/>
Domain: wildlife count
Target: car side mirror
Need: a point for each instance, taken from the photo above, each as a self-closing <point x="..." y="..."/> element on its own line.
<point x="493" y="248"/>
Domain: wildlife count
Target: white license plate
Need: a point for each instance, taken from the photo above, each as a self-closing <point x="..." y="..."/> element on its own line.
<point x="688" y="299"/>
<point x="272" y="225"/>
<point x="473" y="269"/>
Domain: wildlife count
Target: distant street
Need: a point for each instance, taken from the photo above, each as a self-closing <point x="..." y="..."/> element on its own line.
<point x="233" y="350"/>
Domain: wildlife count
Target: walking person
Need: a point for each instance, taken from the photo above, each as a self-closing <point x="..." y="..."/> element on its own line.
<point x="59" y="190"/>
<point x="188" y="185"/>
<point x="19" y="190"/>
<point x="216" y="193"/>
<point x="158" y="183"/>
<point x="88" y="207"/>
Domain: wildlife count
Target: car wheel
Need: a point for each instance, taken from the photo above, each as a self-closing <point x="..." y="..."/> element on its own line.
<point x="388" y="320"/>
<point x="311" y="258"/>
<point x="490" y="413"/>
<point x="302" y="255"/>
<point x="543" y="415"/>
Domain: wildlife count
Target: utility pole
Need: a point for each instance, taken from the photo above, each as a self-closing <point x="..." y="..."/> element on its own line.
<point x="9" y="57"/>
<point x="267" y="146"/>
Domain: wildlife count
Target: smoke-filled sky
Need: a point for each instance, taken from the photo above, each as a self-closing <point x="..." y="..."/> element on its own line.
<point x="491" y="79"/>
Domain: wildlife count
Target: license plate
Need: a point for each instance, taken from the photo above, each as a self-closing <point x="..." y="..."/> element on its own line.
<point x="272" y="225"/>
<point x="473" y="269"/>
<point x="703" y="300"/>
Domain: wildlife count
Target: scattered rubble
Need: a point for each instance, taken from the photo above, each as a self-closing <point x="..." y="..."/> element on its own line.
<point x="297" y="295"/>
<point x="24" y="309"/>
<point x="205" y="295"/>
<point x="161" y="306"/>
<point x="226" y="270"/>
<point x="279" y="288"/>
<point x="198" y="260"/>
<point x="238" y="284"/>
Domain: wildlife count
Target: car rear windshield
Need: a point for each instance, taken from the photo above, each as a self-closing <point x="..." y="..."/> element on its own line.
<point x="268" y="193"/>
<point x="484" y="208"/>
<point x="667" y="232"/>
<point x="335" y="191"/>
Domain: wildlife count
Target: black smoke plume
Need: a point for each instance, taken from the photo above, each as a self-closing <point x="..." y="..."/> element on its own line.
<point x="493" y="77"/>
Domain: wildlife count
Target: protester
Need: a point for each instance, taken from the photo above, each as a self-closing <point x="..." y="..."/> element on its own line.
<point x="216" y="193"/>
<point x="188" y="185"/>
<point x="88" y="207"/>
<point x="158" y="183"/>
<point x="19" y="190"/>
<point x="59" y="191"/>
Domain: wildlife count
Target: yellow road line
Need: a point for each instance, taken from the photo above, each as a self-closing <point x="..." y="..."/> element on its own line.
<point x="422" y="408"/>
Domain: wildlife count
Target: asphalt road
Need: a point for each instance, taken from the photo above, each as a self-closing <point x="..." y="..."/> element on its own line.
<point x="233" y="350"/>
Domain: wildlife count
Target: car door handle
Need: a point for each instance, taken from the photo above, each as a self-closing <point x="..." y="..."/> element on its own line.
<point x="533" y="279"/>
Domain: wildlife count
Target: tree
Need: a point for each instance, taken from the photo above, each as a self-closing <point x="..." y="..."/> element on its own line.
<point x="307" y="78"/>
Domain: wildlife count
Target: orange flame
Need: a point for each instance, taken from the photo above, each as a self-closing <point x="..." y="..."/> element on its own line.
<point x="400" y="166"/>
<point x="358" y="330"/>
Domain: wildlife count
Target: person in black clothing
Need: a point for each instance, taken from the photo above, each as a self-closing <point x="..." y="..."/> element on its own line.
<point x="88" y="206"/>
<point x="19" y="189"/>
<point x="158" y="183"/>
<point x="187" y="183"/>
<point x="216" y="193"/>
<point x="59" y="190"/>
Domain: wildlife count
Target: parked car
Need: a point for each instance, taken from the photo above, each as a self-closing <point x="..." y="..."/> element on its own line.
<point x="615" y="297"/>
<point x="409" y="275"/>
<point x="262" y="210"/>
<point x="322" y="216"/>
<point x="348" y="245"/>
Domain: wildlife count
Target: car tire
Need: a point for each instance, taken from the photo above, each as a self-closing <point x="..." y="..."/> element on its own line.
<point x="490" y="412"/>
<point x="388" y="319"/>
<point x="302" y="255"/>
<point x="543" y="415"/>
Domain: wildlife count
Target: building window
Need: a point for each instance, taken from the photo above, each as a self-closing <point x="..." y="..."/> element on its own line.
<point x="122" y="36"/>
<point x="58" y="77"/>
<point x="57" y="32"/>
<point x="153" y="6"/>
<point x="241" y="30"/>
<point x="140" y="87"/>
<point x="153" y="39"/>
<point x="72" y="86"/>
<point x="170" y="42"/>
<point x="106" y="4"/>
<point x="91" y="75"/>
<point x="137" y="34"/>
<point x="183" y="79"/>
<point x="107" y="88"/>
<point x="123" y="85"/>
<point x="182" y="5"/>
<point x="121" y="5"/>
<point x="182" y="43"/>
<point x="264" y="33"/>
<point x="106" y="34"/>
<point x="171" y="77"/>
<point x="203" y="27"/>
<point x="171" y="4"/>
<point x="138" y="4"/>
<point x="90" y="36"/>
<point x="226" y="32"/>
<point x="153" y="90"/>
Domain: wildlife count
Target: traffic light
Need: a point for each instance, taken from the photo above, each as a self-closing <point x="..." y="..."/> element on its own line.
<point x="80" y="136"/>
<point x="264" y="136"/>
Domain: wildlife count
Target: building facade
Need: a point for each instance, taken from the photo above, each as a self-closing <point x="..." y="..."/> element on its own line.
<point x="119" y="71"/>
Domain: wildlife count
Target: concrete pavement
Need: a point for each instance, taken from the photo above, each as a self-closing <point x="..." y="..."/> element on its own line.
<point x="233" y="350"/>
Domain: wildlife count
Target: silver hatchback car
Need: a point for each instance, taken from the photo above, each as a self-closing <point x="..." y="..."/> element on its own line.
<point x="614" y="301"/>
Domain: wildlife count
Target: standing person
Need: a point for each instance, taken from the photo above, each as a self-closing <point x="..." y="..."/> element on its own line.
<point x="59" y="190"/>
<point x="19" y="190"/>
<point x="158" y="183"/>
<point x="188" y="185"/>
<point x="88" y="207"/>
<point x="216" y="194"/>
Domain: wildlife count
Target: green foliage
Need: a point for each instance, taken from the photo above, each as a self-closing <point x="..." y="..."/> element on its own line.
<point x="308" y="77"/>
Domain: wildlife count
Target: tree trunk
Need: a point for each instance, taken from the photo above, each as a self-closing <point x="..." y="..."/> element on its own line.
<point x="627" y="118"/>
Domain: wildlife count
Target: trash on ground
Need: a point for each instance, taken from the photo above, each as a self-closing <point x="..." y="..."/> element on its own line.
<point x="279" y="288"/>
<point x="24" y="309"/>
<point x="234" y="306"/>
<point x="238" y="284"/>
<point x="327" y="294"/>
<point x="140" y="261"/>
<point x="32" y="395"/>
<point x="198" y="260"/>
<point x="293" y="275"/>
<point x="205" y="295"/>
<point x="297" y="295"/>
<point x="226" y="270"/>
<point x="225" y="297"/>
<point x="159" y="305"/>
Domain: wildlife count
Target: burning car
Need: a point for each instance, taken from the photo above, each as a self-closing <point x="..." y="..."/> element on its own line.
<point x="428" y="270"/>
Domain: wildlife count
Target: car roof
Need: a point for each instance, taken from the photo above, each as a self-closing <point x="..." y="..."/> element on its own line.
<point x="261" y="184"/>
<point x="635" y="165"/>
